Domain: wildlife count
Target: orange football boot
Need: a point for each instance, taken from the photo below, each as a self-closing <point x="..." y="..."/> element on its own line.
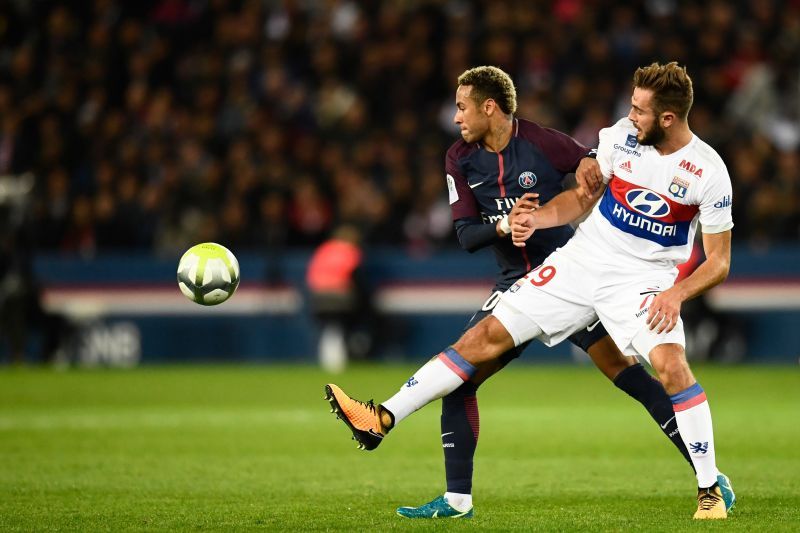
<point x="363" y="418"/>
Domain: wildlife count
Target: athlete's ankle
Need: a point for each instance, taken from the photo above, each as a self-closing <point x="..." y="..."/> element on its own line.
<point x="386" y="417"/>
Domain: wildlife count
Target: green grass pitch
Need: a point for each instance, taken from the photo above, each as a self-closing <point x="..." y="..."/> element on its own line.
<point x="255" y="448"/>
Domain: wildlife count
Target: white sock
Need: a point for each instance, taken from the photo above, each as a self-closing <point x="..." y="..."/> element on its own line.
<point x="460" y="502"/>
<point x="693" y="416"/>
<point x="438" y="377"/>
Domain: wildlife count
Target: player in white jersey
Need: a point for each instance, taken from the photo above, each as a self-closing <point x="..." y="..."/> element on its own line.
<point x="637" y="234"/>
<point x="620" y="267"/>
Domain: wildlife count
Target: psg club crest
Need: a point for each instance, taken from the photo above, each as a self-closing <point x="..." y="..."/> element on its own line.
<point x="678" y="187"/>
<point x="527" y="180"/>
<point x="631" y="141"/>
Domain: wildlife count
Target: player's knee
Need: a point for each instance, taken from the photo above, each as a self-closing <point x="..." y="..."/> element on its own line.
<point x="486" y="341"/>
<point x="669" y="362"/>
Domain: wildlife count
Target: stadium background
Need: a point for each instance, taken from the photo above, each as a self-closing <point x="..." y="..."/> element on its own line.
<point x="131" y="131"/>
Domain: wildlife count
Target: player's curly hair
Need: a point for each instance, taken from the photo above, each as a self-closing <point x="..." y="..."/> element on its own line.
<point x="671" y="86"/>
<point x="491" y="82"/>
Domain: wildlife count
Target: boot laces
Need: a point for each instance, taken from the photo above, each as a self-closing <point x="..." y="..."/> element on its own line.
<point x="707" y="499"/>
<point x="369" y="405"/>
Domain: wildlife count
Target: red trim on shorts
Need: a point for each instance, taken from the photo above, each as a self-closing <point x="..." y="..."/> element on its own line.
<point x="452" y="366"/>
<point x="691" y="402"/>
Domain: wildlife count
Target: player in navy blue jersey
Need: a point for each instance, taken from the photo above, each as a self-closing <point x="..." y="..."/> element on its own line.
<point x="498" y="160"/>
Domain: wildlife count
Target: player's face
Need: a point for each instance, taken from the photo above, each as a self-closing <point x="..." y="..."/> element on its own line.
<point x="474" y="123"/>
<point x="648" y="130"/>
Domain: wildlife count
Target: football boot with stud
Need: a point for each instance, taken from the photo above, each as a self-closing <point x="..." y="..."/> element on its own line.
<point x="438" y="508"/>
<point x="363" y="418"/>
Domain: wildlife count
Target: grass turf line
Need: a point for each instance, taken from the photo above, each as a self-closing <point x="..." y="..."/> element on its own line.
<point x="246" y="448"/>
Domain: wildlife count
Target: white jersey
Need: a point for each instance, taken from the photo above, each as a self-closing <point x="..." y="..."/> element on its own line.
<point x="649" y="212"/>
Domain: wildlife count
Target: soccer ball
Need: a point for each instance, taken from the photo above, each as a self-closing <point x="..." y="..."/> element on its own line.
<point x="208" y="273"/>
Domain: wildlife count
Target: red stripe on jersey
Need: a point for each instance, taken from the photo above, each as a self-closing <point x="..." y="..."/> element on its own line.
<point x="500" y="177"/>
<point x="691" y="402"/>
<point x="677" y="212"/>
<point x="524" y="252"/>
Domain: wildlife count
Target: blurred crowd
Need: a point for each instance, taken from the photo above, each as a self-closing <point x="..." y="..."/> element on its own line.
<point x="265" y="123"/>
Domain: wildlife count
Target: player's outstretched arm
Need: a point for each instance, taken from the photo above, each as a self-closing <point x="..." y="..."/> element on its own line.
<point x="563" y="209"/>
<point x="666" y="307"/>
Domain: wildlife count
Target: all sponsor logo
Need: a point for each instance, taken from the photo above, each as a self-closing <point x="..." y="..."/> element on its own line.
<point x="527" y="180"/>
<point x="691" y="168"/>
<point x="725" y="202"/>
<point x="626" y="166"/>
<point x="678" y="187"/>
<point x="631" y="141"/>
<point x="647" y="203"/>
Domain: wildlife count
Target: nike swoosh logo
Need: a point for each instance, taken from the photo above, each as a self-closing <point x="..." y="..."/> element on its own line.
<point x="374" y="433"/>
<point x="665" y="424"/>
<point x="448" y="433"/>
<point x="473" y="185"/>
<point x="435" y="514"/>
<point x="590" y="328"/>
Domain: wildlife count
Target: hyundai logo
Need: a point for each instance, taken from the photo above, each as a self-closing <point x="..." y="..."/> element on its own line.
<point x="647" y="203"/>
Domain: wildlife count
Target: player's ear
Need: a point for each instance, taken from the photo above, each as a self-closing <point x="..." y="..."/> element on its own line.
<point x="666" y="119"/>
<point x="489" y="106"/>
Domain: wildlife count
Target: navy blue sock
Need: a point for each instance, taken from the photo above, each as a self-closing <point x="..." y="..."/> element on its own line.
<point x="648" y="391"/>
<point x="460" y="426"/>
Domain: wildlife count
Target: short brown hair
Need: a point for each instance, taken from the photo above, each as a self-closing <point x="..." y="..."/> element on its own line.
<point x="491" y="82"/>
<point x="671" y="86"/>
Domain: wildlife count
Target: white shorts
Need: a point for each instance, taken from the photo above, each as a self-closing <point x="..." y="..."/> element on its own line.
<point x="562" y="296"/>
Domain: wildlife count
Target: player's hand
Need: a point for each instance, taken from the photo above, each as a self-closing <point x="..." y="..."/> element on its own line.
<point x="664" y="312"/>
<point x="521" y="219"/>
<point x="589" y="177"/>
<point x="521" y="228"/>
<point x="528" y="203"/>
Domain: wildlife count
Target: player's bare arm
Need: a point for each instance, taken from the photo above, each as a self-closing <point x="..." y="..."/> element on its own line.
<point x="563" y="209"/>
<point x="666" y="307"/>
<point x="589" y="176"/>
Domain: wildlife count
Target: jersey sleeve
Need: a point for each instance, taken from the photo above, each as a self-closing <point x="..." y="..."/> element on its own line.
<point x="605" y="152"/>
<point x="716" y="203"/>
<point x="563" y="152"/>
<point x="462" y="202"/>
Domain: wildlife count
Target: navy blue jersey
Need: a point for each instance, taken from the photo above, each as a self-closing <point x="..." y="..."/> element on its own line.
<point x="484" y="186"/>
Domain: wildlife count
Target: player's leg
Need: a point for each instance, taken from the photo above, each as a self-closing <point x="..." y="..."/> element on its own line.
<point x="440" y="376"/>
<point x="692" y="414"/>
<point x="524" y="312"/>
<point x="630" y="376"/>
<point x="622" y="306"/>
<point x="460" y="427"/>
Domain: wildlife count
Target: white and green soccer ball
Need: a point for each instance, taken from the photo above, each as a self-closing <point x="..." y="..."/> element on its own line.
<point x="208" y="273"/>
